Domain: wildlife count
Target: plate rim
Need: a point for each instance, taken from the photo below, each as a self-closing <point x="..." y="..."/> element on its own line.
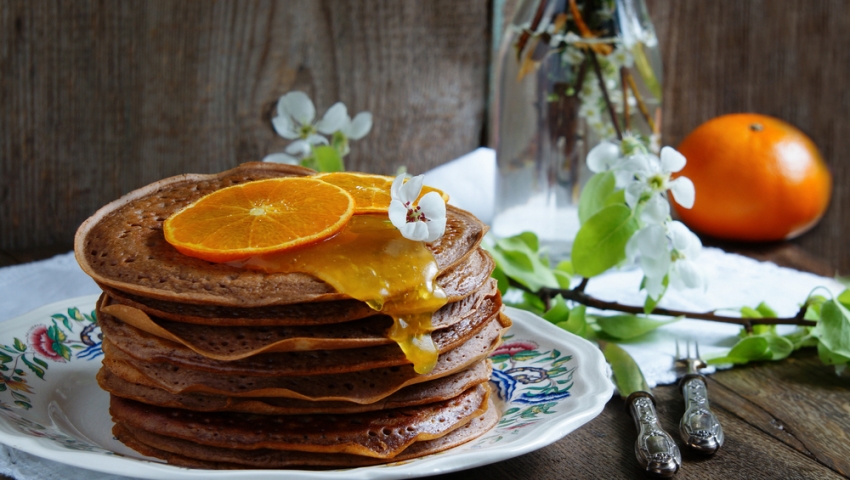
<point x="589" y="405"/>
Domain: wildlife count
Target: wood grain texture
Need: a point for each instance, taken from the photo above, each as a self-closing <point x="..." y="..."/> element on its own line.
<point x="98" y="98"/>
<point x="783" y="58"/>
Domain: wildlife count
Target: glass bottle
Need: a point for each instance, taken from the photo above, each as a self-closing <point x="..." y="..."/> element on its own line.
<point x="569" y="74"/>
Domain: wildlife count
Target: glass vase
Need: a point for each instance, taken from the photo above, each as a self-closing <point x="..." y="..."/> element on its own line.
<point x="569" y="75"/>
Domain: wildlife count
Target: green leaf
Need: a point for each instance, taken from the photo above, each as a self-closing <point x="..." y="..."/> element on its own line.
<point x="577" y="323"/>
<point x="62" y="350"/>
<point x="19" y="345"/>
<point x="594" y="195"/>
<point x="626" y="326"/>
<point x="525" y="355"/>
<point x="829" y="357"/>
<point x="39" y="362"/>
<point x="2" y="387"/>
<point x="563" y="279"/>
<point x="601" y="242"/>
<point x="22" y="404"/>
<point x="4" y="358"/>
<point x="55" y="333"/>
<point x="559" y="312"/>
<point x="779" y="346"/>
<point x="38" y="371"/>
<point x="627" y="374"/>
<point x="650" y="303"/>
<point x="566" y="266"/>
<point x="515" y="256"/>
<point x="844" y="298"/>
<point x="327" y="159"/>
<point x="766" y="311"/>
<point x="749" y="312"/>
<point x="528" y="301"/>
<point x="501" y="280"/>
<point x="746" y="350"/>
<point x="833" y="330"/>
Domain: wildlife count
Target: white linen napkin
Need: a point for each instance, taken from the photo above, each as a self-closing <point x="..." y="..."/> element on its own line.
<point x="734" y="281"/>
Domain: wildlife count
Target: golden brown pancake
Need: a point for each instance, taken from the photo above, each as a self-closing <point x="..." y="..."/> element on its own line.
<point x="151" y="348"/>
<point x="418" y="394"/>
<point x="122" y="247"/>
<point x="380" y="434"/>
<point x="365" y="386"/>
<point x="192" y="455"/>
<point x="238" y="342"/>
<point x="458" y="283"/>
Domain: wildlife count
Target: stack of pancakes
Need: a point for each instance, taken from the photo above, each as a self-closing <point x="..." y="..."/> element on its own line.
<point x="214" y="366"/>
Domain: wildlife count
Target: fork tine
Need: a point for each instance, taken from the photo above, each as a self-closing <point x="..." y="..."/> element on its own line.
<point x="697" y="348"/>
<point x="678" y="355"/>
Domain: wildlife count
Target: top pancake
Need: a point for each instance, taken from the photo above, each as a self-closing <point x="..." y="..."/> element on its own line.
<point x="122" y="246"/>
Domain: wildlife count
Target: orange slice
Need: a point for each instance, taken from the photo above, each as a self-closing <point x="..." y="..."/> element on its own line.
<point x="371" y="192"/>
<point x="259" y="217"/>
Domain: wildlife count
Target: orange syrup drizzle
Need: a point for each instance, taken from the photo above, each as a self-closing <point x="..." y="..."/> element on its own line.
<point x="370" y="261"/>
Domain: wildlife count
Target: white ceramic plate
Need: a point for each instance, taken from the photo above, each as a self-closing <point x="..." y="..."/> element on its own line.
<point x="549" y="383"/>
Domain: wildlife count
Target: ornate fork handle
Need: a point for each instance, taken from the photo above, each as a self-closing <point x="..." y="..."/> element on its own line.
<point x="655" y="449"/>
<point x="699" y="427"/>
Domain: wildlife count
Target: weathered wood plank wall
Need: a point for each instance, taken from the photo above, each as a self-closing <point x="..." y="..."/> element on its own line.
<point x="98" y="98"/>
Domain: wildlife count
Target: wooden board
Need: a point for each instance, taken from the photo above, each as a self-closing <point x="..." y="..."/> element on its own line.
<point x="100" y="98"/>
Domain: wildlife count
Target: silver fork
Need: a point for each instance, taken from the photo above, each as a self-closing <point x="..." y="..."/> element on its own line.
<point x="699" y="428"/>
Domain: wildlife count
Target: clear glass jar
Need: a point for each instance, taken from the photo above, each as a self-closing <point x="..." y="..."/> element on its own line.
<point x="561" y="74"/>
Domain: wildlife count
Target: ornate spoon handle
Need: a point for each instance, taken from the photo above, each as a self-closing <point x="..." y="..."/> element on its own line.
<point x="655" y="449"/>
<point x="699" y="428"/>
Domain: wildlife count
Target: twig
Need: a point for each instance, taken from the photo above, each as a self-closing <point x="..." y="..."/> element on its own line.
<point x="526" y="33"/>
<point x="602" y="86"/>
<point x="577" y="295"/>
<point x="641" y="106"/>
<point x="624" y="83"/>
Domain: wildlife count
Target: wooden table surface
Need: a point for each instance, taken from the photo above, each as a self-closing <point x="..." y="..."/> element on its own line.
<point x="787" y="419"/>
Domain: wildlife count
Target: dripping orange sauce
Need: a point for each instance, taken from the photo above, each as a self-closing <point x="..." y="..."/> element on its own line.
<point x="369" y="260"/>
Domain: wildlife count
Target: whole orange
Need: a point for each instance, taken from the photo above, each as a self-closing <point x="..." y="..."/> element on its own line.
<point x="756" y="177"/>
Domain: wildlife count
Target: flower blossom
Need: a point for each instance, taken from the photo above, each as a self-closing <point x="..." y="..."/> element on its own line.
<point x="667" y="250"/>
<point x="295" y="120"/>
<point x="424" y="220"/>
<point x="644" y="175"/>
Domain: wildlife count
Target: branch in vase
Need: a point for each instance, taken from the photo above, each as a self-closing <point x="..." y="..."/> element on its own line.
<point x="641" y="105"/>
<point x="625" y="86"/>
<point x="604" y="89"/>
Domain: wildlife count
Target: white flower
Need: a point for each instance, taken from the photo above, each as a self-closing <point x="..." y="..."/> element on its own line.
<point x="621" y="57"/>
<point x="357" y="128"/>
<point x="685" y="273"/>
<point x="644" y="175"/>
<point x="295" y="115"/>
<point x="603" y="157"/>
<point x="667" y="249"/>
<point x="654" y="256"/>
<point x="424" y="221"/>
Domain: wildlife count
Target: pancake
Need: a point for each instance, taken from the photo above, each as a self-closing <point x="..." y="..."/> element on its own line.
<point x="151" y="348"/>
<point x="418" y="394"/>
<point x="458" y="283"/>
<point x="238" y="342"/>
<point x="380" y="434"/>
<point x="192" y="455"/>
<point x="367" y="386"/>
<point x="122" y="247"/>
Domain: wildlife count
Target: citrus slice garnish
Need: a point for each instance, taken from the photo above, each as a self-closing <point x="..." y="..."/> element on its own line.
<point x="371" y="192"/>
<point x="259" y="217"/>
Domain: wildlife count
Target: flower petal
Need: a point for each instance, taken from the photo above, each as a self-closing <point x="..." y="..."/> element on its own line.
<point x="656" y="210"/>
<point x="688" y="275"/>
<point x="315" y="139"/>
<point x="360" y="126"/>
<point x="672" y="160"/>
<point x="602" y="157"/>
<point x="409" y="191"/>
<point x="334" y="119"/>
<point x="397" y="213"/>
<point x="281" y="158"/>
<point x="284" y="127"/>
<point x="434" y="209"/>
<point x="654" y="267"/>
<point x="416" y="231"/>
<point x="633" y="193"/>
<point x="683" y="191"/>
<point x="651" y="241"/>
<point x="299" y="147"/>
<point x="299" y="106"/>
<point x="655" y="286"/>
<point x="684" y="241"/>
<point x="397" y="183"/>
